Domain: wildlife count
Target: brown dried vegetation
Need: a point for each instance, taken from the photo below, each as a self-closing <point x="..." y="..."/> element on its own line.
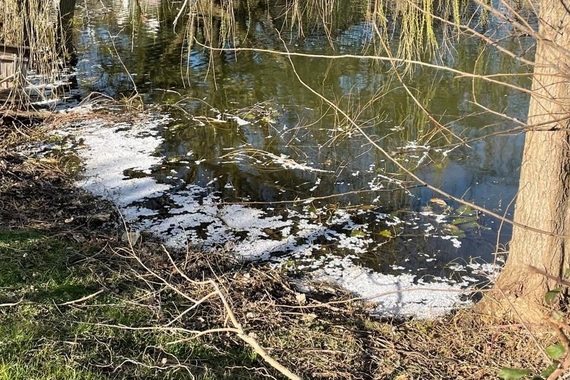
<point x="174" y="322"/>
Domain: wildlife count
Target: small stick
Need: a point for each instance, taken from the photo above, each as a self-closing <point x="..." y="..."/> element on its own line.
<point x="80" y="299"/>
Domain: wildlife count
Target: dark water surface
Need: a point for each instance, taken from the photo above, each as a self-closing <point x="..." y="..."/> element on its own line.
<point x="247" y="130"/>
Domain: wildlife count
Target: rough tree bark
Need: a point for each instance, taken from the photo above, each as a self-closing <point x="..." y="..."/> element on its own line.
<point x="543" y="200"/>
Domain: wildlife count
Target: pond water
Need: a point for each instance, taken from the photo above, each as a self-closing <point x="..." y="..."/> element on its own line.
<point x="247" y="154"/>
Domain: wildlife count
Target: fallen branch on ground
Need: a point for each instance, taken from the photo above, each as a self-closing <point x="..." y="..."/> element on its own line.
<point x="232" y="324"/>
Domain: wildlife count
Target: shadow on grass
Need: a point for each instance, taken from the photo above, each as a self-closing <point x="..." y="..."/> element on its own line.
<point x="40" y="269"/>
<point x="64" y="309"/>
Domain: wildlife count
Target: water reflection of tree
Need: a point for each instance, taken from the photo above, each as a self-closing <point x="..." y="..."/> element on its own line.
<point x="308" y="131"/>
<point x="364" y="87"/>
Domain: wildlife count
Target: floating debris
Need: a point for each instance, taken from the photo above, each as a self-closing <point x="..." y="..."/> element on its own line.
<point x="324" y="242"/>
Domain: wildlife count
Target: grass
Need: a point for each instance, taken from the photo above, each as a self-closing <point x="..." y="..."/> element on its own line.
<point x="76" y="303"/>
<point x="42" y="338"/>
<point x="39" y="336"/>
<point x="44" y="334"/>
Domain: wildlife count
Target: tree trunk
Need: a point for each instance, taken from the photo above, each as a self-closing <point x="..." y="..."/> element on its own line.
<point x="543" y="199"/>
<point x="64" y="43"/>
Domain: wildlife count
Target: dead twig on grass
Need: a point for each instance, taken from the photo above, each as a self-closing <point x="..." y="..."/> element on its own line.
<point x="10" y="304"/>
<point x="214" y="291"/>
<point x="82" y="299"/>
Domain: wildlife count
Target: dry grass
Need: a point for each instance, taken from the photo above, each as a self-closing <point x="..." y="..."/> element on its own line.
<point x="319" y="335"/>
<point x="38" y="30"/>
<point x="323" y="336"/>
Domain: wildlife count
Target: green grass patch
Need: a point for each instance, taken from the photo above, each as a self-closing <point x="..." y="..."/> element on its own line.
<point x="39" y="268"/>
<point x="46" y="334"/>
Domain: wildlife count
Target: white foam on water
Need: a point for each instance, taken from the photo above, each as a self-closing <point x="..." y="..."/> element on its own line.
<point x="400" y="295"/>
<point x="109" y="152"/>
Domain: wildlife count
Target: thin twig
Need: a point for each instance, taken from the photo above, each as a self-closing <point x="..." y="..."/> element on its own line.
<point x="558" y="280"/>
<point x="393" y="60"/>
<point x="235" y="328"/>
<point x="81" y="299"/>
<point x="10" y="304"/>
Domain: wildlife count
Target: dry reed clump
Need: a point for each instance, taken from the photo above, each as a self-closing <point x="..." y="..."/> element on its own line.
<point x="34" y="28"/>
<point x="32" y="24"/>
